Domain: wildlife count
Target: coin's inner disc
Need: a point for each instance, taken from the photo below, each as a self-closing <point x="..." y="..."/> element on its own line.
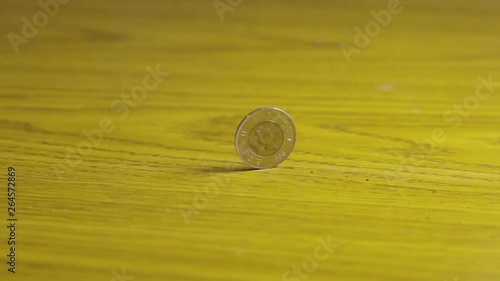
<point x="266" y="138"/>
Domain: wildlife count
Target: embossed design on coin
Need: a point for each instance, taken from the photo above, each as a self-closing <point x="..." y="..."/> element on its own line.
<point x="265" y="137"/>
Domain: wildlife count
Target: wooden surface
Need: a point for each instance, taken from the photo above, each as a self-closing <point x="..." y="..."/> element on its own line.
<point x="120" y="209"/>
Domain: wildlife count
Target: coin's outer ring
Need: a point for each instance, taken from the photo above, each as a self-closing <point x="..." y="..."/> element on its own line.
<point x="250" y="121"/>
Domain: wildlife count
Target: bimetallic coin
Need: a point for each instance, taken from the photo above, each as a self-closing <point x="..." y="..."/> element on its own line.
<point x="265" y="137"/>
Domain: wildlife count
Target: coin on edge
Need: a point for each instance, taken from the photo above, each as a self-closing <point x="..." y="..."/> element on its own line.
<point x="265" y="137"/>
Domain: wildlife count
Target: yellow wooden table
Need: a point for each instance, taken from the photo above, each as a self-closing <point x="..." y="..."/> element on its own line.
<point x="118" y="119"/>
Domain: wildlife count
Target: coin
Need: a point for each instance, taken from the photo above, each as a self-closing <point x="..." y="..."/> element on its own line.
<point x="265" y="137"/>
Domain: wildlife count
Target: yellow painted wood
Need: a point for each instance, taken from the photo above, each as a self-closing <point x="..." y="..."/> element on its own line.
<point x="119" y="210"/>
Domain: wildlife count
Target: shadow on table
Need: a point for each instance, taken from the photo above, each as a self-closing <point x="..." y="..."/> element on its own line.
<point x="233" y="168"/>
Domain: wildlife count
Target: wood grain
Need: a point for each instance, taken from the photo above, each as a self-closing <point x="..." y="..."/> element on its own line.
<point x="359" y="124"/>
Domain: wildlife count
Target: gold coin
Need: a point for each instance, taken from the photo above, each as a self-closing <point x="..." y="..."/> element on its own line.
<point x="265" y="137"/>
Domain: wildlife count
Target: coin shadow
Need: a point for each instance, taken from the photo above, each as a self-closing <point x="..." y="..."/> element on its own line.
<point x="231" y="169"/>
